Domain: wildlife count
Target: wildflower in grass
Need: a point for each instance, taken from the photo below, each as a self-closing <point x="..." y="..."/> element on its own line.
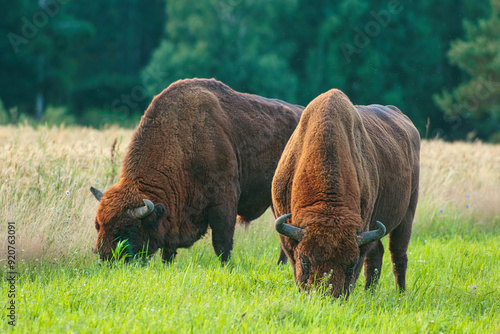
<point x="79" y="190"/>
<point x="467" y="196"/>
<point x="67" y="192"/>
<point x="467" y="206"/>
<point x="441" y="210"/>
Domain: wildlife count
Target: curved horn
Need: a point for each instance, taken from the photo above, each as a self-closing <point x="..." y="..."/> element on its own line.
<point x="142" y="211"/>
<point x="97" y="193"/>
<point x="288" y="230"/>
<point x="364" y="238"/>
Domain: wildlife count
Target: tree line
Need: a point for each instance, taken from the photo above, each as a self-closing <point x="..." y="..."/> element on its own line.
<point x="102" y="62"/>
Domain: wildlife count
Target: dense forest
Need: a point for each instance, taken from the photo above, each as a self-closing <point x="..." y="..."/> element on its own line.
<point x="96" y="63"/>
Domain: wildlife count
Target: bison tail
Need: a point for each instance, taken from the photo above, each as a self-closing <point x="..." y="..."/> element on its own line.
<point x="242" y="221"/>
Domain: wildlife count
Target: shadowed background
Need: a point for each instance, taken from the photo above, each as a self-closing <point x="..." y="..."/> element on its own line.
<point x="100" y="63"/>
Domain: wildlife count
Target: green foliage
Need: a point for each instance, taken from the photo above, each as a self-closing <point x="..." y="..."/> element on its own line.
<point x="495" y="138"/>
<point x="68" y="52"/>
<point x="477" y="99"/>
<point x="111" y="63"/>
<point x="238" y="43"/>
<point x="99" y="118"/>
<point x="122" y="251"/>
<point x="4" y="115"/>
<point x="385" y="52"/>
<point x="57" y="115"/>
<point x="115" y="56"/>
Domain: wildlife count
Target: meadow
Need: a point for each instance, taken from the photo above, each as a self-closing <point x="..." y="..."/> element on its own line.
<point x="45" y="175"/>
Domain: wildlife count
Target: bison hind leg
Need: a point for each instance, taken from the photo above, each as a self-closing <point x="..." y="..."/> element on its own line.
<point x="399" y="240"/>
<point x="398" y="246"/>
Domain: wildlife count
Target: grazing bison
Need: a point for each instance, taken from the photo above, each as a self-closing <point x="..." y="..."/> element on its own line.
<point x="202" y="154"/>
<point x="348" y="175"/>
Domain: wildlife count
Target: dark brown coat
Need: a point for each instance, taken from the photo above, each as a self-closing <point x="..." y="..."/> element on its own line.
<point x="344" y="168"/>
<point x="203" y="153"/>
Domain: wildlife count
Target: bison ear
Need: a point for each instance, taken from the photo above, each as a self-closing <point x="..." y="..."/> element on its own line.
<point x="153" y="220"/>
<point x="97" y="193"/>
<point x="161" y="212"/>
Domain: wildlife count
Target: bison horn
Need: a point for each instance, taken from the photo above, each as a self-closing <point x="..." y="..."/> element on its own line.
<point x="142" y="211"/>
<point x="288" y="230"/>
<point x="364" y="238"/>
<point x="97" y="193"/>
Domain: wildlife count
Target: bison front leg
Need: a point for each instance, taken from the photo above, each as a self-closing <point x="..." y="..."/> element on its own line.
<point x="283" y="259"/>
<point x="222" y="222"/>
<point x="168" y="255"/>
<point x="222" y="240"/>
<point x="373" y="264"/>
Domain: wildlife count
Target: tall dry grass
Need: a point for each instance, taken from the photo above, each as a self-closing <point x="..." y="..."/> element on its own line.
<point x="459" y="184"/>
<point x="45" y="175"/>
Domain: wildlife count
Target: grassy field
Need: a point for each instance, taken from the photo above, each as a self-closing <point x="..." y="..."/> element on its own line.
<point x="453" y="270"/>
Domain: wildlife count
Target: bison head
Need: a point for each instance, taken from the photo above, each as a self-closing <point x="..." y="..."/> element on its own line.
<point x="122" y="219"/>
<point x="319" y="257"/>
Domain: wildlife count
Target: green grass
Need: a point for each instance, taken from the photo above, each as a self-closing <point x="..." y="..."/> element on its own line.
<point x="452" y="288"/>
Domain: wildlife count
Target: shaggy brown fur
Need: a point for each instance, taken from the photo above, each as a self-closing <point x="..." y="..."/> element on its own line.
<point x="344" y="168"/>
<point x="202" y="153"/>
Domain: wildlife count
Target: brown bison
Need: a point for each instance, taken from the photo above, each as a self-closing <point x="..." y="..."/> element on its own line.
<point x="201" y="155"/>
<point x="348" y="175"/>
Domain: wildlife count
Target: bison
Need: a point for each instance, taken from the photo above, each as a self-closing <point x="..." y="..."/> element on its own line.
<point x="201" y="155"/>
<point x="348" y="175"/>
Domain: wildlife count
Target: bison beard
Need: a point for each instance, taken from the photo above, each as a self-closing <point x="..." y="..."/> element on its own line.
<point x="348" y="175"/>
<point x="202" y="155"/>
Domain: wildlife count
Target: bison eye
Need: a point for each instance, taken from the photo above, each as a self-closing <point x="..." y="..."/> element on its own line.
<point x="305" y="266"/>
<point x="97" y="226"/>
<point x="353" y="265"/>
<point x="350" y="270"/>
